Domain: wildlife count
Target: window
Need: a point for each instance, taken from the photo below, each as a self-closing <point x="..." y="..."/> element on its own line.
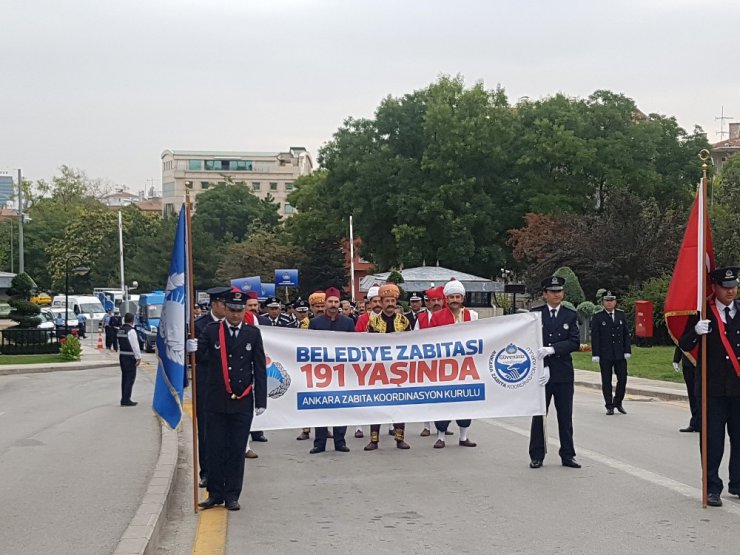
<point x="214" y="165"/>
<point x="273" y="186"/>
<point x="204" y="184"/>
<point x="240" y="165"/>
<point x="195" y="165"/>
<point x="288" y="186"/>
<point x="256" y="185"/>
<point x="289" y="208"/>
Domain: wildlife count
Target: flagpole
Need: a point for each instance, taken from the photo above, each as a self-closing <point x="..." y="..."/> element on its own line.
<point x="704" y="155"/>
<point x="191" y="329"/>
<point x="351" y="261"/>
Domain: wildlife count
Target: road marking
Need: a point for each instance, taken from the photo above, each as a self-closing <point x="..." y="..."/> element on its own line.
<point x="637" y="472"/>
<point x="210" y="534"/>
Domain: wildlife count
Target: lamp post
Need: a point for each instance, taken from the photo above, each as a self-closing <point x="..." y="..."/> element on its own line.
<point x="80" y="270"/>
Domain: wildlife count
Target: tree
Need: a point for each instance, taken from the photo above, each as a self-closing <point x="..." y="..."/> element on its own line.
<point x="572" y="288"/>
<point x="260" y="254"/>
<point x="24" y="312"/>
<point x="725" y="217"/>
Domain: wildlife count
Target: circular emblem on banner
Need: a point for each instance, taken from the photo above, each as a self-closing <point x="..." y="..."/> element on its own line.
<point x="511" y="367"/>
<point x="278" y="380"/>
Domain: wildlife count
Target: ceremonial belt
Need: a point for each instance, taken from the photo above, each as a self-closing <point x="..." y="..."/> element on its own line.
<point x="225" y="365"/>
<point x="725" y="341"/>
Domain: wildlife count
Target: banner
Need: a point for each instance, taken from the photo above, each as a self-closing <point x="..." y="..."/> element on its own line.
<point x="253" y="283"/>
<point x="482" y="369"/>
<point x="268" y="290"/>
<point x="286" y="278"/>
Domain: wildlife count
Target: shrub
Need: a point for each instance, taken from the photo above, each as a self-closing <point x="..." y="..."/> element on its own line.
<point x="573" y="290"/>
<point x="25" y="313"/>
<point x="70" y="348"/>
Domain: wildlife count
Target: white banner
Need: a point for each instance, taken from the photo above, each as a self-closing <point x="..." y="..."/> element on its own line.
<point x="482" y="369"/>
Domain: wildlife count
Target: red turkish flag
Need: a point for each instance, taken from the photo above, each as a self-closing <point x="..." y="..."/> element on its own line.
<point x="692" y="266"/>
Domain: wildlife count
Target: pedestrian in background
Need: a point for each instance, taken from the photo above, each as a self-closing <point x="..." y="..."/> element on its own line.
<point x="129" y="357"/>
<point x="689" y="377"/>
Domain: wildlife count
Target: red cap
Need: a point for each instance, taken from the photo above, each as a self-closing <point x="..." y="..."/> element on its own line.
<point x="435" y="293"/>
<point x="333" y="292"/>
<point x="252" y="295"/>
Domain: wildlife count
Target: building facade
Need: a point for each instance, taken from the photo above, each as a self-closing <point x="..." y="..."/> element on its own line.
<point x="264" y="173"/>
<point x="724" y="149"/>
<point x="6" y="187"/>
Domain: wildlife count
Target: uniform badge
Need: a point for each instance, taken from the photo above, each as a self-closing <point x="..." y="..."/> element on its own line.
<point x="218" y="346"/>
<point x="603" y="323"/>
<point x="565" y="326"/>
<point x="248" y="347"/>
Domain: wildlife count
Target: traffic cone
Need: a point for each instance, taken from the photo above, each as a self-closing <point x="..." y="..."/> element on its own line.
<point x="100" y="342"/>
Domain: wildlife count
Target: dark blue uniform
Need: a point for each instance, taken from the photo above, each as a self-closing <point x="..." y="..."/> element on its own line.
<point x="282" y="321"/>
<point x="201" y="360"/>
<point x="229" y="420"/>
<point x="560" y="333"/>
<point x="610" y="340"/>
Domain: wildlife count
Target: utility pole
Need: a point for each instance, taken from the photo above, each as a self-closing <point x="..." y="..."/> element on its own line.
<point x="21" y="265"/>
<point x="722" y="117"/>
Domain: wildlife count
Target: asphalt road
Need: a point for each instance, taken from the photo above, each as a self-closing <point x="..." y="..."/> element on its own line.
<point x="74" y="464"/>
<point x="638" y="492"/>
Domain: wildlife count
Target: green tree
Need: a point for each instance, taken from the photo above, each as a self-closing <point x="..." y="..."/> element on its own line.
<point x="260" y="254"/>
<point x="573" y="291"/>
<point x="24" y="312"/>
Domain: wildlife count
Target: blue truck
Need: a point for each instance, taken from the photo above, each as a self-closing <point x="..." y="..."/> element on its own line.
<point x="147" y="319"/>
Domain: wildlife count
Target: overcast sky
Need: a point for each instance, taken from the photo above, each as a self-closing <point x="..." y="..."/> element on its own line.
<point x="107" y="86"/>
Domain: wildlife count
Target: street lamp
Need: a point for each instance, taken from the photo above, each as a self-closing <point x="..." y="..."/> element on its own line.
<point x="80" y="271"/>
<point x="127" y="295"/>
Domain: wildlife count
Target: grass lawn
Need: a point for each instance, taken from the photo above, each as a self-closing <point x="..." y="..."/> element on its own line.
<point x="30" y="359"/>
<point x="654" y="363"/>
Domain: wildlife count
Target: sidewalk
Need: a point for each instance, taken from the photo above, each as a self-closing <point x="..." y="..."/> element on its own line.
<point x="665" y="391"/>
<point x="90" y="358"/>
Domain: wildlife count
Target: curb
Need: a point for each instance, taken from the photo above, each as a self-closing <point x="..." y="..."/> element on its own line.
<point x="56" y="368"/>
<point x="660" y="394"/>
<point x="142" y="534"/>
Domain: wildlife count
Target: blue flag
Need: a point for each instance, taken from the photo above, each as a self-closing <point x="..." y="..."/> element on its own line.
<point x="167" y="402"/>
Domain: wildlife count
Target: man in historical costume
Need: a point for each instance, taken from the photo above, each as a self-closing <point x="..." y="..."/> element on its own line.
<point x="388" y="321"/>
<point x="236" y="390"/>
<point x="373" y="297"/>
<point x="722" y="328"/>
<point x="252" y="312"/>
<point x="316" y="302"/>
<point x="301" y="309"/>
<point x="453" y="313"/>
<point x="610" y="348"/>
<point x="560" y="337"/>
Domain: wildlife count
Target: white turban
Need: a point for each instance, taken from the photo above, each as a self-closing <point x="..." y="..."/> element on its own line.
<point x="454" y="287"/>
<point x="374" y="291"/>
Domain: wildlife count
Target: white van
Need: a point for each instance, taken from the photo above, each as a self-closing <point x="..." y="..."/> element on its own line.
<point x="88" y="305"/>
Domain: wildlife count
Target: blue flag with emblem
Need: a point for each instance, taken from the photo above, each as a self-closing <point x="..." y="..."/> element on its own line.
<point x="170" y="380"/>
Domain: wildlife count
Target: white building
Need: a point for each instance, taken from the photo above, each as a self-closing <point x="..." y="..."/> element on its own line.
<point x="265" y="173"/>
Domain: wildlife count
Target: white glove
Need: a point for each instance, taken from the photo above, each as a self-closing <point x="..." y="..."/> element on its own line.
<point x="542" y="352"/>
<point x="191" y="345"/>
<point x="595" y="360"/>
<point x="259" y="410"/>
<point x="676" y="368"/>
<point x="627" y="356"/>
<point x="545" y="377"/>
<point x="702" y="327"/>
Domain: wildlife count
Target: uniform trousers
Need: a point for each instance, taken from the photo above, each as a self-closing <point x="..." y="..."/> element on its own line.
<point x="128" y="376"/>
<point x="442" y="425"/>
<point x="322" y="432"/>
<point x="376" y="427"/>
<point x="620" y="369"/>
<point x="201" y="413"/>
<point x="227" y="440"/>
<point x="722" y="412"/>
<point x="562" y="392"/>
<point x="689" y="378"/>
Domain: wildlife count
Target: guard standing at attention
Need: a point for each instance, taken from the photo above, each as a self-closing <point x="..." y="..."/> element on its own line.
<point x="560" y="337"/>
<point x="236" y="390"/>
<point x="610" y="344"/>
<point x="129" y="357"/>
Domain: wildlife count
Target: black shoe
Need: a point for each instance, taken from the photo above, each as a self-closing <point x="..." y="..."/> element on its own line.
<point x="210" y="503"/>
<point x="733" y="491"/>
<point x="342" y="449"/>
<point x="620" y="408"/>
<point x="317" y="450"/>
<point x="535" y="463"/>
<point x="261" y="437"/>
<point x="571" y="463"/>
<point x="713" y="500"/>
<point x="129" y="404"/>
<point x="391" y="432"/>
<point x="233" y="505"/>
<point x="688" y="429"/>
<point x="609" y="411"/>
<point x="203" y="483"/>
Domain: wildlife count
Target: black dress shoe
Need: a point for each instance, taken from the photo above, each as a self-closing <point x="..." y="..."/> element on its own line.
<point x="342" y="449"/>
<point x="713" y="500"/>
<point x="129" y="404"/>
<point x="733" y="491"/>
<point x="203" y="483"/>
<point x="210" y="503"/>
<point x="535" y="463"/>
<point x="609" y="411"/>
<point x="260" y="437"/>
<point x="620" y="408"/>
<point x="233" y="505"/>
<point x="688" y="429"/>
<point x="571" y="463"/>
<point x="317" y="450"/>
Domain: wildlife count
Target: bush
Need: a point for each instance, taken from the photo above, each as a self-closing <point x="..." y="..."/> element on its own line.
<point x="586" y="309"/>
<point x="573" y="290"/>
<point x="25" y="313"/>
<point x="71" y="348"/>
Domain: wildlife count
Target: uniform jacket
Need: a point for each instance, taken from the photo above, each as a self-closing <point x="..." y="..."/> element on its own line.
<point x="202" y="359"/>
<point x="423" y="320"/>
<point x="246" y="359"/>
<point x="721" y="377"/>
<point x="562" y="335"/>
<point x="610" y="339"/>
<point x="323" y="322"/>
<point x="282" y="321"/>
<point x="361" y="324"/>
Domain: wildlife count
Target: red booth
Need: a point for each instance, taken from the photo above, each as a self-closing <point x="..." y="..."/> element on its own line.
<point x="643" y="318"/>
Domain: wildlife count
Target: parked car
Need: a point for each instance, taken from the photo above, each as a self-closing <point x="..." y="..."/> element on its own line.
<point x="41" y="299"/>
<point x="47" y="320"/>
<point x="59" y="312"/>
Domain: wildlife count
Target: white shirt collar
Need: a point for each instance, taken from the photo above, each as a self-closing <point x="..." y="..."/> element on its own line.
<point x="555" y="308"/>
<point x="721" y="307"/>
